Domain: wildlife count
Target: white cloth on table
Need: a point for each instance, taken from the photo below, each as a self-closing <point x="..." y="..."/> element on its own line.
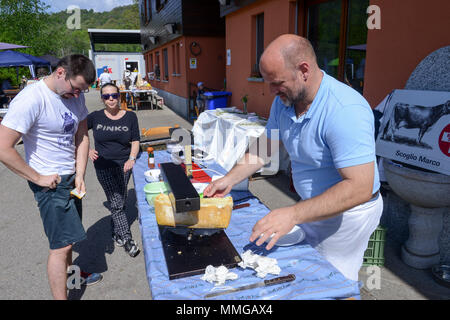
<point x="224" y="134"/>
<point x="261" y="264"/>
<point x="218" y="275"/>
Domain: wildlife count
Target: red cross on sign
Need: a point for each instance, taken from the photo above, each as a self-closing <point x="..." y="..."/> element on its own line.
<point x="444" y="141"/>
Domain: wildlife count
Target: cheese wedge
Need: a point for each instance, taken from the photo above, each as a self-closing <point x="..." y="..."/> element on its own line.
<point x="213" y="213"/>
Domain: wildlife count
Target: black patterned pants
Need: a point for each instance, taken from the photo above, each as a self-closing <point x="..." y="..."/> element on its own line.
<point x="114" y="182"/>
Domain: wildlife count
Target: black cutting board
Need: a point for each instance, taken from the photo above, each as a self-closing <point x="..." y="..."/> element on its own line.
<point x="189" y="251"/>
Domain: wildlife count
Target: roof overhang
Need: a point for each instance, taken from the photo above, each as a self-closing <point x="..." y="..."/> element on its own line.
<point x="112" y="36"/>
<point x="230" y="6"/>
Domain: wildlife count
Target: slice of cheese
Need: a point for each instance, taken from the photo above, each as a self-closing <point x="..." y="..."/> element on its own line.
<point x="213" y="213"/>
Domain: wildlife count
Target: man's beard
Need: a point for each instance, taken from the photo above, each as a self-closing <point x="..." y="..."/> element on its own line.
<point x="289" y="101"/>
<point x="286" y="103"/>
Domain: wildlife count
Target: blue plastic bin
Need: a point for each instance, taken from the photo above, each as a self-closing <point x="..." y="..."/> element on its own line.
<point x="216" y="99"/>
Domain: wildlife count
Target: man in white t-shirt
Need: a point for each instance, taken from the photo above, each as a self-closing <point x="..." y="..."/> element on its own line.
<point x="105" y="77"/>
<point x="50" y="117"/>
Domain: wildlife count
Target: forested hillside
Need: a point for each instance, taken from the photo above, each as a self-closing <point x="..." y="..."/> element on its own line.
<point x="77" y="41"/>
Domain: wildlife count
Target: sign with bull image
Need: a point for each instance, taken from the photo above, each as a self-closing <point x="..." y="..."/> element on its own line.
<point x="415" y="129"/>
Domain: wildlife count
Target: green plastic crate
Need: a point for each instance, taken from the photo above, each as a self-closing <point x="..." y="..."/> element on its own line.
<point x="374" y="254"/>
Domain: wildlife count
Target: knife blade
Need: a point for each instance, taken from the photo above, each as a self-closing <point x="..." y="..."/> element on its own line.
<point x="265" y="283"/>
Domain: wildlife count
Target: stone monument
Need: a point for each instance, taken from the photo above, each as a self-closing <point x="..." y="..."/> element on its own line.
<point x="432" y="74"/>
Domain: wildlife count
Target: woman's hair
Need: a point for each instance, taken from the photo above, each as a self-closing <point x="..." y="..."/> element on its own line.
<point x="109" y="84"/>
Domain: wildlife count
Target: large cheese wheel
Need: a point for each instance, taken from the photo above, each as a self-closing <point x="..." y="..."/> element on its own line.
<point x="213" y="213"/>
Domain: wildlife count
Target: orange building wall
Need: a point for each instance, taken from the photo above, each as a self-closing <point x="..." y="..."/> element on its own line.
<point x="410" y="30"/>
<point x="176" y="84"/>
<point x="210" y="65"/>
<point x="239" y="40"/>
<point x="210" y="62"/>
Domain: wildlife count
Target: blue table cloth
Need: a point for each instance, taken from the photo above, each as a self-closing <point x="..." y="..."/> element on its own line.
<point x="316" y="278"/>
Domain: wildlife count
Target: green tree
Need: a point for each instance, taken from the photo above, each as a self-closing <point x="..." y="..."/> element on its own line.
<point x="77" y="41"/>
<point x="28" y="22"/>
<point x="24" y="22"/>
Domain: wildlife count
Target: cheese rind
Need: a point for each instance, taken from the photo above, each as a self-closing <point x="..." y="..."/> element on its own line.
<point x="213" y="213"/>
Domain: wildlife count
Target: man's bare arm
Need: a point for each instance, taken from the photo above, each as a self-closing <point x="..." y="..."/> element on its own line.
<point x="354" y="189"/>
<point x="244" y="168"/>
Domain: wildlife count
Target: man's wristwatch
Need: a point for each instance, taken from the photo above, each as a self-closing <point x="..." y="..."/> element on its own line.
<point x="132" y="158"/>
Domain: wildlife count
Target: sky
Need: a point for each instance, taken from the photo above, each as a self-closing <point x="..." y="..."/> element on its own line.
<point x="96" y="5"/>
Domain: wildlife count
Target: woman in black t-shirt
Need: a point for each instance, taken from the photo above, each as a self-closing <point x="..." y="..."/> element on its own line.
<point x="116" y="137"/>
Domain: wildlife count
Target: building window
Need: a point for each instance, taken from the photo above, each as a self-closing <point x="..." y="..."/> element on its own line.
<point x="177" y="58"/>
<point x="159" y="4"/>
<point x="143" y="12"/>
<point x="150" y="68"/>
<point x="146" y="11"/>
<point x="355" y="50"/>
<point x="148" y="8"/>
<point x="174" y="66"/>
<point x="157" y="68"/>
<point x="146" y="64"/>
<point x="151" y="63"/>
<point x="166" y="65"/>
<point x="337" y="30"/>
<point x="258" y="43"/>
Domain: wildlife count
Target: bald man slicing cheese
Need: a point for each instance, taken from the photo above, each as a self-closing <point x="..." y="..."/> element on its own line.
<point x="327" y="129"/>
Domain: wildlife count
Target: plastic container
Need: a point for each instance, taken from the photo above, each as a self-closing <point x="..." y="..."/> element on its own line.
<point x="153" y="189"/>
<point x="374" y="254"/>
<point x="152" y="175"/>
<point x="216" y="99"/>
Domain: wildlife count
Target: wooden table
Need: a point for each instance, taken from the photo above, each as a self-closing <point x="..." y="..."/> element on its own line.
<point x="123" y="99"/>
<point x="11" y="93"/>
<point x="135" y="100"/>
<point x="316" y="278"/>
<point x="3" y="112"/>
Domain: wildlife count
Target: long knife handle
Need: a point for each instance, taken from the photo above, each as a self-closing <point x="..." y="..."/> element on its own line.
<point x="288" y="278"/>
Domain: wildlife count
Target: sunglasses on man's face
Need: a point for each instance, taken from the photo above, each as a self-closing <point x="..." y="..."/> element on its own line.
<point x="107" y="95"/>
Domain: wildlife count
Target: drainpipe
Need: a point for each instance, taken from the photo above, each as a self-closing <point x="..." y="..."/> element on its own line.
<point x="296" y="17"/>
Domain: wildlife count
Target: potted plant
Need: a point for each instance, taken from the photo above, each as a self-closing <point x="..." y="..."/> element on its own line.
<point x="244" y="101"/>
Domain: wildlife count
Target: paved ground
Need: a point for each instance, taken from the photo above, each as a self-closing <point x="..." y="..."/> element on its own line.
<point x="24" y="251"/>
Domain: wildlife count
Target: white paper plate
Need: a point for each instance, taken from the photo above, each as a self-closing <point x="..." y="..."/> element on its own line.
<point x="296" y="235"/>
